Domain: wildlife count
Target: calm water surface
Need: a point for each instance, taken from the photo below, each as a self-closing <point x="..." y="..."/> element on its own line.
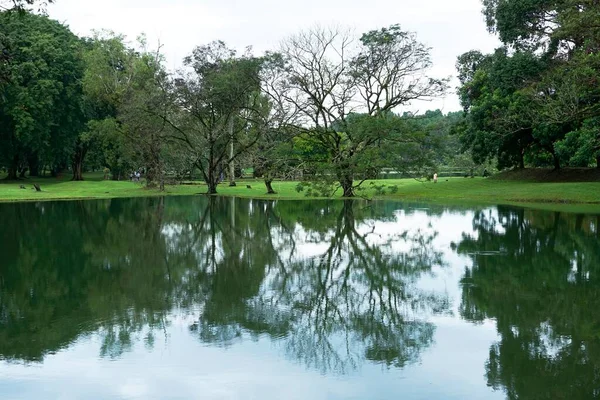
<point x="196" y="298"/>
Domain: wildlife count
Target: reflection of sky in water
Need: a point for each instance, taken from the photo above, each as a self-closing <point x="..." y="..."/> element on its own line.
<point x="181" y="366"/>
<point x="184" y="368"/>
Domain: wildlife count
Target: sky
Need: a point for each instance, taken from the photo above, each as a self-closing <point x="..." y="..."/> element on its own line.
<point x="450" y="28"/>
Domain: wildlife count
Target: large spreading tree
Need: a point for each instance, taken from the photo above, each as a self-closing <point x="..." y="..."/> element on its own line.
<point x="338" y="83"/>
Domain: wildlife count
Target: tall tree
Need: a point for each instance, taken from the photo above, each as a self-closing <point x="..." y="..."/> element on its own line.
<point x="330" y="77"/>
<point x="147" y="99"/>
<point x="110" y="70"/>
<point x="41" y="112"/>
<point x="499" y="122"/>
<point x="214" y="100"/>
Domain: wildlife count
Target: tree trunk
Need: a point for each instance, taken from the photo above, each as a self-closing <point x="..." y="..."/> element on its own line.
<point x="22" y="172"/>
<point x="268" y="183"/>
<point x="77" y="171"/>
<point x="77" y="165"/>
<point x="522" y="159"/>
<point x="155" y="174"/>
<point x="556" y="160"/>
<point x="13" y="168"/>
<point x="212" y="187"/>
<point x="34" y="165"/>
<point x="231" y="154"/>
<point x="347" y="186"/>
<point x="598" y="161"/>
<point x="211" y="177"/>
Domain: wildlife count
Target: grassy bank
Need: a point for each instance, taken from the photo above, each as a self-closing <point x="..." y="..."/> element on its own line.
<point x="451" y="191"/>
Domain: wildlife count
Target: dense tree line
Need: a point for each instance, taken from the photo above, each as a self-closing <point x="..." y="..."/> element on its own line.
<point x="320" y="108"/>
<point x="536" y="100"/>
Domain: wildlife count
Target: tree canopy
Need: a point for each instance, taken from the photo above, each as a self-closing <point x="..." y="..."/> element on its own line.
<point x="536" y="100"/>
<point x="42" y="110"/>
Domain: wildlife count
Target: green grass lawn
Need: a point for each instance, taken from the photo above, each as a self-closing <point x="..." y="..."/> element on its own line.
<point x="452" y="191"/>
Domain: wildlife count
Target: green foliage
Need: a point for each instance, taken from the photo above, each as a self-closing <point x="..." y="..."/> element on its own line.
<point x="125" y="96"/>
<point x="529" y="105"/>
<point x="41" y="111"/>
<point x="499" y="122"/>
<point x="321" y="110"/>
<point x="319" y="188"/>
<point x="381" y="189"/>
<point x="212" y="105"/>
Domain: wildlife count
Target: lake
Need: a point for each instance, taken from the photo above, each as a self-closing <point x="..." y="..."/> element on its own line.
<point x="223" y="298"/>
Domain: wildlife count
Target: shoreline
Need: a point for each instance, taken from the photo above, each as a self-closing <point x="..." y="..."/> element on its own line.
<point x="584" y="196"/>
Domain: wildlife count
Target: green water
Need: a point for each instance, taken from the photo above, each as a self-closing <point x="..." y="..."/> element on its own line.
<point x="197" y="298"/>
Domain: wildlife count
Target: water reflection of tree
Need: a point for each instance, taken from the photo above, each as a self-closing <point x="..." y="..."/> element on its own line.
<point x="70" y="269"/>
<point x="356" y="300"/>
<point x="121" y="268"/>
<point x="537" y="274"/>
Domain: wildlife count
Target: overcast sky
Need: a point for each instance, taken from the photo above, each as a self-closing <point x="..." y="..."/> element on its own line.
<point x="450" y="27"/>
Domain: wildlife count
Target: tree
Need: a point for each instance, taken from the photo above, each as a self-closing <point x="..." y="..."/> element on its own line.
<point x="273" y="154"/>
<point x="569" y="96"/>
<point x="555" y="26"/>
<point x="213" y="102"/>
<point x="329" y="79"/>
<point x="389" y="70"/>
<point x="548" y="109"/>
<point x="42" y="111"/>
<point x="147" y="99"/>
<point x="278" y="120"/>
<point x="19" y="6"/>
<point x="126" y="89"/>
<point x="502" y="118"/>
<point x="109" y="75"/>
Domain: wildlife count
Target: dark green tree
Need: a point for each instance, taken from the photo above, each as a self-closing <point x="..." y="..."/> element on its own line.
<point x="41" y="112"/>
<point x="549" y="114"/>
